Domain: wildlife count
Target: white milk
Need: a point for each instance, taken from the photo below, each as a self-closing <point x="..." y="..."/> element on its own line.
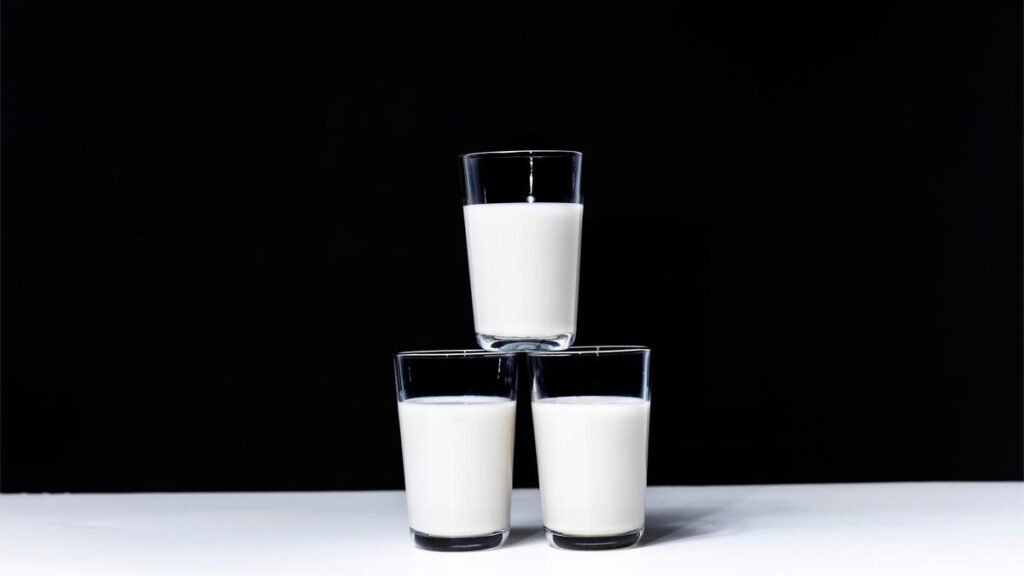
<point x="592" y="463"/>
<point x="524" y="267"/>
<point x="457" y="452"/>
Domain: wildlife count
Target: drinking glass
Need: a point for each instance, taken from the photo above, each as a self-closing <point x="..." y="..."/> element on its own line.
<point x="457" y="412"/>
<point x="524" y="216"/>
<point x="591" y="409"/>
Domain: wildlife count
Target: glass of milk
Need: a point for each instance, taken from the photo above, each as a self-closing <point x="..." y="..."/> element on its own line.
<point x="591" y="408"/>
<point x="524" y="215"/>
<point x="457" y="412"/>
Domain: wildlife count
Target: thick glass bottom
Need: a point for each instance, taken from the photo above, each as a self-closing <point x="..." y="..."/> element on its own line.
<point x="517" y="343"/>
<point x="459" y="543"/>
<point x="567" y="542"/>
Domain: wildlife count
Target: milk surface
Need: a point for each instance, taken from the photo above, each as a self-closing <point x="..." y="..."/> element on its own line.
<point x="592" y="463"/>
<point x="524" y="267"/>
<point x="457" y="453"/>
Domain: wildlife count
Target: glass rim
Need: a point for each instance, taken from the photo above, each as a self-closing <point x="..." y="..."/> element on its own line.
<point x="592" y="350"/>
<point x="522" y="154"/>
<point x="454" y="353"/>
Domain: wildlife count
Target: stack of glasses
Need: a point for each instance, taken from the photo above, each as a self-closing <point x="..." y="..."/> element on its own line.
<point x="591" y="405"/>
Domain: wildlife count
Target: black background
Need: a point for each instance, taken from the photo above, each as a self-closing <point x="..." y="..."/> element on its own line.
<point x="219" y="224"/>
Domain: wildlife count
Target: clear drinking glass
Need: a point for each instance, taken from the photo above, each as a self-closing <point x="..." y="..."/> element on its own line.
<point x="457" y="415"/>
<point x="524" y="217"/>
<point x="591" y="409"/>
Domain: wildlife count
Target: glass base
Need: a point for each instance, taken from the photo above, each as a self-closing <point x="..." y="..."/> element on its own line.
<point x="517" y="343"/>
<point x="459" y="543"/>
<point x="566" y="542"/>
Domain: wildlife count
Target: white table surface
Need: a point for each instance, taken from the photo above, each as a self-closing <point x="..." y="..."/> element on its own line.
<point x="873" y="529"/>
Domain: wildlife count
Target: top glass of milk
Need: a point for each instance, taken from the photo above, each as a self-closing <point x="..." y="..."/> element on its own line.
<point x="524" y="217"/>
